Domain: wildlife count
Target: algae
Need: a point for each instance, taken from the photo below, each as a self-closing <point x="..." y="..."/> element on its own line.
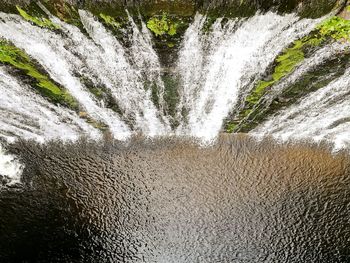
<point x="310" y="82"/>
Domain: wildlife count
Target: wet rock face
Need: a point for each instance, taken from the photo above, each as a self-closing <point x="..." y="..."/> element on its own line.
<point x="313" y="8"/>
<point x="172" y="201"/>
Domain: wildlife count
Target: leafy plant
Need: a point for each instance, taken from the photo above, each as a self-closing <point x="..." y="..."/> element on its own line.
<point x="162" y="26"/>
<point x="336" y="27"/>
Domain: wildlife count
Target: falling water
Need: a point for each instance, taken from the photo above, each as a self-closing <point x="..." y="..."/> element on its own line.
<point x="216" y="68"/>
<point x="49" y="49"/>
<point x="62" y="56"/>
<point x="321" y="116"/>
<point x="166" y="199"/>
<point x="120" y="76"/>
<point x="27" y="115"/>
<point x="327" y="52"/>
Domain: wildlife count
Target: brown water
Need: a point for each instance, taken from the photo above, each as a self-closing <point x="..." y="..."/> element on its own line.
<point x="171" y="201"/>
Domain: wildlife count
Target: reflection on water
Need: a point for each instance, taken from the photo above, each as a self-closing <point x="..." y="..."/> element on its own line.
<point x="171" y="201"/>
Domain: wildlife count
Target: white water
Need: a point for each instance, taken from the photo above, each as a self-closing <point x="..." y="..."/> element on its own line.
<point x="215" y="67"/>
<point x="10" y="167"/>
<point x="321" y="116"/>
<point x="321" y="55"/>
<point x="49" y="49"/>
<point x="25" y="114"/>
<point x="126" y="82"/>
<point x="104" y="60"/>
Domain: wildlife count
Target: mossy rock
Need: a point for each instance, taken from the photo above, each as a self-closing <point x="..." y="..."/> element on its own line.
<point x="336" y="27"/>
<point x="38" y="19"/>
<point x="18" y="59"/>
<point x="186" y="8"/>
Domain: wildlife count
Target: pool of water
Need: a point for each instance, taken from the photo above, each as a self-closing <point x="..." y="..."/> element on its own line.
<point x="170" y="200"/>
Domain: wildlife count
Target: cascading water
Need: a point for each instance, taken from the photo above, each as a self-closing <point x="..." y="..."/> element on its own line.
<point x="325" y="53"/>
<point x="124" y="80"/>
<point x="36" y="118"/>
<point x="217" y="67"/>
<point x="49" y="49"/>
<point x="322" y="116"/>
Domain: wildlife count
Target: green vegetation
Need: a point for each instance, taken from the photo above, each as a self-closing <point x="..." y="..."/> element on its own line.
<point x="15" y="57"/>
<point x="163" y="25"/>
<point x="285" y="64"/>
<point x="110" y="21"/>
<point x="335" y="27"/>
<point x="38" y="79"/>
<point x="39" y="21"/>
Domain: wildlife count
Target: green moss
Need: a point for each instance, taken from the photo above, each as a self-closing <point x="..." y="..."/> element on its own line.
<point x="162" y="26"/>
<point x="210" y="20"/>
<point x="66" y="12"/>
<point x="13" y="56"/>
<point x="181" y="8"/>
<point x="39" y="21"/>
<point x="231" y="127"/>
<point x="335" y="27"/>
<point x="70" y="15"/>
<point x="110" y="21"/>
<point x="285" y="64"/>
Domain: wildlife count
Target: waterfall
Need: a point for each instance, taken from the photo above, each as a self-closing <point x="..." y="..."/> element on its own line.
<point x="321" y="116"/>
<point x="216" y="67"/>
<point x="321" y="55"/>
<point x="104" y="59"/>
<point x="27" y="115"/>
<point x="126" y="82"/>
<point x="49" y="49"/>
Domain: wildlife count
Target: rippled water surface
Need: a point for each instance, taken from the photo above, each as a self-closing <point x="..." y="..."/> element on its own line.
<point x="172" y="201"/>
